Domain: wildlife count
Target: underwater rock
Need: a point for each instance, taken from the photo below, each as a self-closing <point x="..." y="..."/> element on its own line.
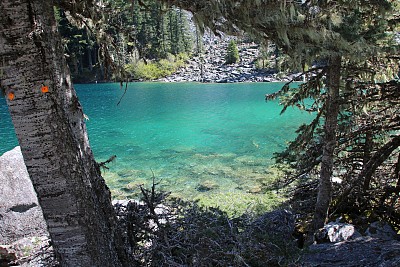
<point x="126" y="173"/>
<point x="206" y="185"/>
<point x="250" y="161"/>
<point x="135" y="185"/>
<point x="256" y="189"/>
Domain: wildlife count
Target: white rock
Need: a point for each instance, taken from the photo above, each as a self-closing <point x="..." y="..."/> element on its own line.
<point x="20" y="214"/>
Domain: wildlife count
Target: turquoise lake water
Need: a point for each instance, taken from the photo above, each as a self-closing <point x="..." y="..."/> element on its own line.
<point x="192" y="137"/>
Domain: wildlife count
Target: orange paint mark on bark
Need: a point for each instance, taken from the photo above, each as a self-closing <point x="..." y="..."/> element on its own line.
<point x="11" y="96"/>
<point x="45" y="89"/>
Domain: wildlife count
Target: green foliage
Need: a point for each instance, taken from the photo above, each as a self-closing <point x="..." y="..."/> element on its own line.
<point x="156" y="69"/>
<point x="262" y="64"/>
<point x="265" y="57"/>
<point x="366" y="159"/>
<point x="145" y="71"/>
<point x="127" y="31"/>
<point x="232" y="53"/>
<point x="158" y="32"/>
<point x="80" y="46"/>
<point x="235" y="204"/>
<point x="307" y="32"/>
<point x="362" y="39"/>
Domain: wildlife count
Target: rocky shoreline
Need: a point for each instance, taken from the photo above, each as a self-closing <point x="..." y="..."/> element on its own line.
<point x="210" y="67"/>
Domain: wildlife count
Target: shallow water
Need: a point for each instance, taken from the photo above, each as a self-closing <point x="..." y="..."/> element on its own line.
<point x="193" y="138"/>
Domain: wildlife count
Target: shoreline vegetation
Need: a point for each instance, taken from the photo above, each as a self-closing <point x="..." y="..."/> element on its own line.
<point x="208" y="66"/>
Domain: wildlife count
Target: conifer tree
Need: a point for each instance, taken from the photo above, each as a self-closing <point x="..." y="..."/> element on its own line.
<point x="232" y="53"/>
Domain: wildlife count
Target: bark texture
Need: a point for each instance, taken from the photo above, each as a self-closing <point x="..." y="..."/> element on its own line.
<point x="330" y="128"/>
<point x="49" y="124"/>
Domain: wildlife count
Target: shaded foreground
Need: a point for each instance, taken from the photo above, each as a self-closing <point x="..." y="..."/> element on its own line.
<point x="177" y="233"/>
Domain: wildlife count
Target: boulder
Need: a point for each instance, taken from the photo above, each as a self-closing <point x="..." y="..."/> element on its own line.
<point x="20" y="213"/>
<point x="340" y="244"/>
<point x="336" y="232"/>
<point x="381" y="230"/>
<point x="361" y="252"/>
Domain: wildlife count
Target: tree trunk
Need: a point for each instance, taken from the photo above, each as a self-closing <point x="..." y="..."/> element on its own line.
<point x="397" y="172"/>
<point x="368" y="145"/>
<point x="330" y="127"/>
<point x="89" y="55"/>
<point x="49" y="124"/>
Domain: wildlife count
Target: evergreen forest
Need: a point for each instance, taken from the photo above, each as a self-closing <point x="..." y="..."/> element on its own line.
<point x="139" y="40"/>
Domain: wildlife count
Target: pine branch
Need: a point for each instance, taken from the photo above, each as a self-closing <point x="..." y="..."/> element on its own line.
<point x="376" y="160"/>
<point x="111" y="159"/>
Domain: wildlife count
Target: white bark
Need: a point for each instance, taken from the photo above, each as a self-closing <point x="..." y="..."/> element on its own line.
<point x="52" y="133"/>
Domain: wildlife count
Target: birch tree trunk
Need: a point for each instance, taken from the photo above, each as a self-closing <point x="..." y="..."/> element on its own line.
<point x="49" y="124"/>
<point x="330" y="128"/>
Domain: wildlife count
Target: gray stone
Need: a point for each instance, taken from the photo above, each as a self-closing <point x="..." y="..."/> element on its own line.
<point x="381" y="230"/>
<point x="362" y="251"/>
<point x="20" y="213"/>
<point x="336" y="232"/>
<point x="211" y="67"/>
<point x="350" y="250"/>
<point x="206" y="185"/>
